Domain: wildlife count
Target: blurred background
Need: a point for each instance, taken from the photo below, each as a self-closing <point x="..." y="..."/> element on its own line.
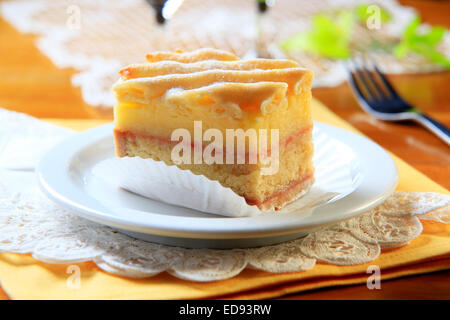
<point x="59" y="58"/>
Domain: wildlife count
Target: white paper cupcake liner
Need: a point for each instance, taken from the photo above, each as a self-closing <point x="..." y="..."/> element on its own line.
<point x="336" y="175"/>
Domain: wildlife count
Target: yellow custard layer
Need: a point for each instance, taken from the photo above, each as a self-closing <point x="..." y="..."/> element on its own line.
<point x="264" y="105"/>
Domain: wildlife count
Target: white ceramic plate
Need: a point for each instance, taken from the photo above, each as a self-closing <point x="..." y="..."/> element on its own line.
<point x="65" y="175"/>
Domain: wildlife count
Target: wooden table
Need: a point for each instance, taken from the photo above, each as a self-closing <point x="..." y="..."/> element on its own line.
<point x="30" y="83"/>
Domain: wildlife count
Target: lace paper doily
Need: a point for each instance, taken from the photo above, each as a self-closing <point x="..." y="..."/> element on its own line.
<point x="31" y="223"/>
<point x="96" y="37"/>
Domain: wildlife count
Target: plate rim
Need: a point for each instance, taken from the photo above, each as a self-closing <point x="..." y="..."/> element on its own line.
<point x="50" y="176"/>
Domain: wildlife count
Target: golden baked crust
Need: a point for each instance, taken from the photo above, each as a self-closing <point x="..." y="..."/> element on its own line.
<point x="210" y="72"/>
<point x="193" y="56"/>
<point x="143" y="90"/>
<point x="160" y="68"/>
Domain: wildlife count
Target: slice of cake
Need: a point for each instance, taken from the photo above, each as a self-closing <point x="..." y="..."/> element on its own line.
<point x="244" y="123"/>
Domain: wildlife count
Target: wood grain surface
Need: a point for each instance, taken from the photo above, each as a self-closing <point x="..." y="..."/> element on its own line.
<point x="30" y="83"/>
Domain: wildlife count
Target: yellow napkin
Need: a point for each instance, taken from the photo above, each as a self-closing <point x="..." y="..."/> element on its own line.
<point x="22" y="277"/>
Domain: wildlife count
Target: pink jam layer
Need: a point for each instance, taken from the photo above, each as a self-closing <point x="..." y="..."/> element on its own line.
<point x="194" y="145"/>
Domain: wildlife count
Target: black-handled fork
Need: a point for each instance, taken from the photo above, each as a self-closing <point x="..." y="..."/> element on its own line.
<point x="377" y="97"/>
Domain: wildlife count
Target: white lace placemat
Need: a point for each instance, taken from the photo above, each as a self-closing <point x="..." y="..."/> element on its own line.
<point x="31" y="223"/>
<point x="98" y="37"/>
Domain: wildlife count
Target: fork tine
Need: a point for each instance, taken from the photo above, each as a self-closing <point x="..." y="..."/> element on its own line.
<point x="384" y="80"/>
<point x="375" y="90"/>
<point x="370" y="96"/>
<point x="354" y="81"/>
<point x="361" y="82"/>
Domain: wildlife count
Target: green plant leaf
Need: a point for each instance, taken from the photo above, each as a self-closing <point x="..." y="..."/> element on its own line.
<point x="329" y="36"/>
<point x="423" y="43"/>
